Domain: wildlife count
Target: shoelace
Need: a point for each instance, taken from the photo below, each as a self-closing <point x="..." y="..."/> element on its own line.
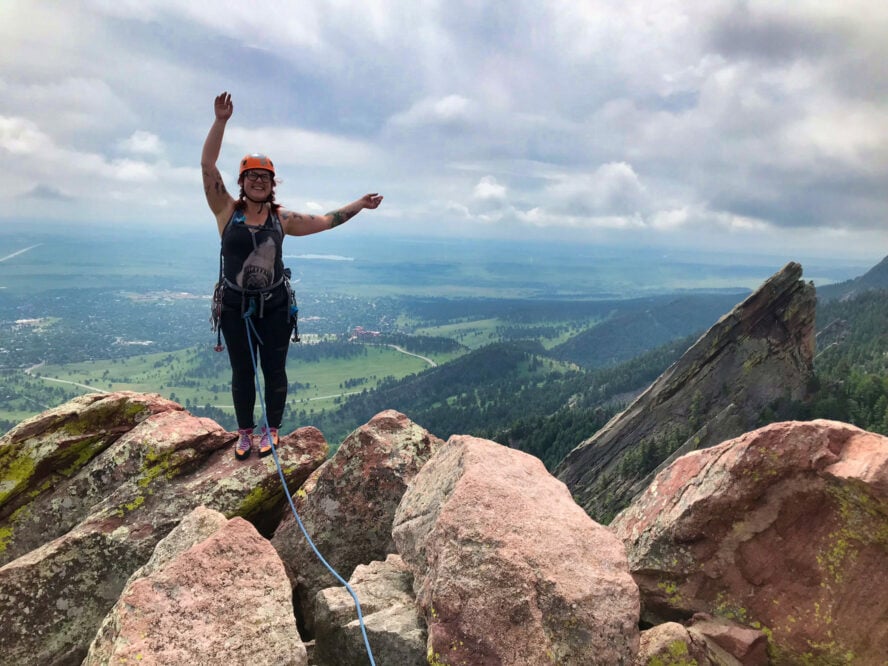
<point x="269" y="438"/>
<point x="245" y="443"/>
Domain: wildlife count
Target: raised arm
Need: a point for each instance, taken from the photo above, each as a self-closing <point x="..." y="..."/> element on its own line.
<point x="300" y="224"/>
<point x="218" y="198"/>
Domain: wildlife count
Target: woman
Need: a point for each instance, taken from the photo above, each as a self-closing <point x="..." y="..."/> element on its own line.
<point x="252" y="228"/>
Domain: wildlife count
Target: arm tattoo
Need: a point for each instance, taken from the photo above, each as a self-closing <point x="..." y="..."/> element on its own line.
<point x="288" y="217"/>
<point x="339" y="217"/>
<point x="216" y="184"/>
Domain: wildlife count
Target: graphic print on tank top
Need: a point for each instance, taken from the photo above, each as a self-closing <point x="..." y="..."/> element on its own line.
<point x="258" y="268"/>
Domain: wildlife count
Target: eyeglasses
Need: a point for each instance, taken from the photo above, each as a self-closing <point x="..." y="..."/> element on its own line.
<point x="261" y="176"/>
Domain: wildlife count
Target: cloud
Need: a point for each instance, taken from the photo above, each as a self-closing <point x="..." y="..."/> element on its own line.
<point x="289" y="145"/>
<point x="48" y="193"/>
<point x="772" y="33"/>
<point x="20" y="136"/>
<point x="847" y="136"/>
<point x="49" y="174"/>
<point x="488" y="189"/>
<point x="699" y="218"/>
<point x="540" y="217"/>
<point x="612" y="189"/>
<point x="662" y="118"/>
<point x="142" y="142"/>
<point x="489" y="200"/>
<point x="449" y="110"/>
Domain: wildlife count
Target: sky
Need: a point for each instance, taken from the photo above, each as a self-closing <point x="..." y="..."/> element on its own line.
<point x="708" y="125"/>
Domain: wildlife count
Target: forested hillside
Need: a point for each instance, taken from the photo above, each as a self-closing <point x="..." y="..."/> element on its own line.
<point x="590" y="402"/>
<point x="851" y="371"/>
<point x="513" y="393"/>
<point x="627" y="333"/>
<point x="852" y="364"/>
<point x="523" y="376"/>
<point x="517" y="394"/>
<point x="874" y="279"/>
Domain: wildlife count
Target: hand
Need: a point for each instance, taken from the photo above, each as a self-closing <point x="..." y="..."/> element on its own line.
<point x="371" y="201"/>
<point x="223" y="107"/>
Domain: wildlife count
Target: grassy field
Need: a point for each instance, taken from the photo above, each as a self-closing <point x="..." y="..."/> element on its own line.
<point x="479" y="332"/>
<point x="198" y="377"/>
<point x="472" y="334"/>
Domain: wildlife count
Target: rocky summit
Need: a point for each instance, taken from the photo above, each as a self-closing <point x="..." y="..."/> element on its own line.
<point x="130" y="535"/>
<point x="758" y="354"/>
<point x="213" y="592"/>
<point x="347" y="505"/>
<point x="91" y="488"/>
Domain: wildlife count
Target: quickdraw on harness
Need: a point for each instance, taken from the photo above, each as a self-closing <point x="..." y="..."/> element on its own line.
<point x="251" y="296"/>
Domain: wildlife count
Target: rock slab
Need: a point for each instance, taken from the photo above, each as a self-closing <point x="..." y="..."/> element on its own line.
<point x="395" y="628"/>
<point x="88" y="526"/>
<point x="759" y="353"/>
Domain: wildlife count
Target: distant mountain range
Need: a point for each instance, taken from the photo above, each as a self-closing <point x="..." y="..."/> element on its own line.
<point x="874" y="278"/>
<point x="633" y="331"/>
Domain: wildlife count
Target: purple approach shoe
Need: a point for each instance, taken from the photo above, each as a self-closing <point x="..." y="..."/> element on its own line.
<point x="269" y="437"/>
<point x="244" y="443"/>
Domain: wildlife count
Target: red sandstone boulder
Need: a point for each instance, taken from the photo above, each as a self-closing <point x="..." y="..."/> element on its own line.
<point x="347" y="505"/>
<point x="222" y="598"/>
<point x="508" y="569"/>
<point x="784" y="529"/>
<point x="100" y="517"/>
<point x="747" y="645"/>
<point x="49" y="479"/>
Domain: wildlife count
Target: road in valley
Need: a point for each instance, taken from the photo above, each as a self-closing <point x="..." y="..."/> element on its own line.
<point x="37" y="366"/>
<point x="404" y="351"/>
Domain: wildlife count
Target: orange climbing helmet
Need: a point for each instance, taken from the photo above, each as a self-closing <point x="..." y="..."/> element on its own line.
<point x="256" y="161"/>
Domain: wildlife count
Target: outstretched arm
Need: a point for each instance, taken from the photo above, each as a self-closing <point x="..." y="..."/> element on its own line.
<point x="299" y="224"/>
<point x="217" y="196"/>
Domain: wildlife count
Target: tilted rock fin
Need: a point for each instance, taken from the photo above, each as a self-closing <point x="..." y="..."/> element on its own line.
<point x="760" y="352"/>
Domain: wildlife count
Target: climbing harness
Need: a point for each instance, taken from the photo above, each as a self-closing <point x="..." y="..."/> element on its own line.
<point x="263" y="293"/>
<point x="251" y="330"/>
<point x="216" y="311"/>
<point x="219" y="290"/>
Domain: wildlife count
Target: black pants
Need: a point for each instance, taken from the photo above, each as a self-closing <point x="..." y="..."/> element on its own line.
<point x="274" y="331"/>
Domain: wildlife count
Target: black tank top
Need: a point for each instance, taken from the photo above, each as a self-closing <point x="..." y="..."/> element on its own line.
<point x="252" y="259"/>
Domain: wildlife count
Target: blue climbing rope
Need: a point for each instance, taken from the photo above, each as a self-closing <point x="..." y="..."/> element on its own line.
<point x="251" y="330"/>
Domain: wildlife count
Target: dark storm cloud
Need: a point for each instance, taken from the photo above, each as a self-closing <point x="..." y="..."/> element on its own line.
<point x="742" y="33"/>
